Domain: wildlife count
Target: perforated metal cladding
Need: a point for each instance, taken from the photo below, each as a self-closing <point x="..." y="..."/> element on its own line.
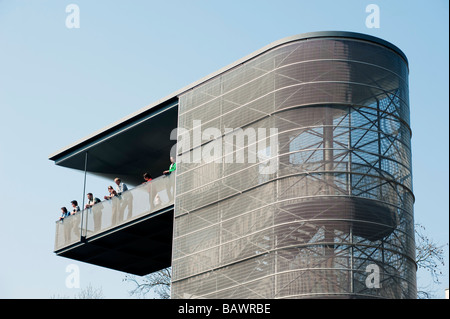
<point x="340" y="198"/>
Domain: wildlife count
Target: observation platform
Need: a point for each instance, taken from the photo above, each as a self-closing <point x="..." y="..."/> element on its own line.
<point x="130" y="233"/>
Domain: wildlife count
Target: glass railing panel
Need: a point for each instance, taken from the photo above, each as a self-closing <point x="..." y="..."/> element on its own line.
<point x="132" y="204"/>
<point x="68" y="231"/>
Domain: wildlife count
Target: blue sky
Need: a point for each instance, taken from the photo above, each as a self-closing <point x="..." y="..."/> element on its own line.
<point x="58" y="85"/>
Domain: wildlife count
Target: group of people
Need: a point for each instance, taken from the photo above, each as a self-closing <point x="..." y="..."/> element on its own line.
<point x="120" y="188"/>
<point x="91" y="200"/>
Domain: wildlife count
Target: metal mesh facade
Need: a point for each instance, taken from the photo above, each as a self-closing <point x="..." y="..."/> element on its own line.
<point x="339" y="203"/>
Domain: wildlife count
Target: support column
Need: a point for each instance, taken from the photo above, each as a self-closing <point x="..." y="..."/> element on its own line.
<point x="82" y="238"/>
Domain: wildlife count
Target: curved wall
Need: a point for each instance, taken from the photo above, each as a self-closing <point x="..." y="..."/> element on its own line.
<point x="326" y="209"/>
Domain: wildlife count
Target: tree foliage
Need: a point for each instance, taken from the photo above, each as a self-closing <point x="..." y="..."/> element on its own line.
<point x="157" y="282"/>
<point x="85" y="293"/>
<point x="430" y="257"/>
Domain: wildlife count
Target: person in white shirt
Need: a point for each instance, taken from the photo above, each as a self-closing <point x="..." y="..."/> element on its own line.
<point x="127" y="200"/>
<point x="96" y="211"/>
<point x="121" y="187"/>
<point x="72" y="229"/>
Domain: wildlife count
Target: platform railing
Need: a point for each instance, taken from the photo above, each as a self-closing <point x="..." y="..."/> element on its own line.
<point x="130" y="205"/>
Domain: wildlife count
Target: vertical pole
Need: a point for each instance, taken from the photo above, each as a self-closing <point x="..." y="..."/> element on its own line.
<point x="379" y="145"/>
<point x="84" y="195"/>
<point x="329" y="180"/>
<point x="349" y="186"/>
<point x="328" y="149"/>
<point x="351" y="260"/>
<point x="349" y="158"/>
